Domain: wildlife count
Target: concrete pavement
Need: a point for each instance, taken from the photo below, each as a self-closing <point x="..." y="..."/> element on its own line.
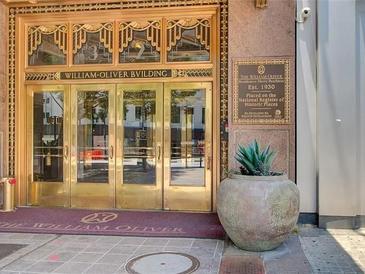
<point x="308" y="250"/>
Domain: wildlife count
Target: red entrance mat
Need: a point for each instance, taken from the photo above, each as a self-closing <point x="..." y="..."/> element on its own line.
<point x="112" y="222"/>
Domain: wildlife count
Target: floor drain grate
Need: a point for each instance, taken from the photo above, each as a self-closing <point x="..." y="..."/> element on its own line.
<point x="242" y="265"/>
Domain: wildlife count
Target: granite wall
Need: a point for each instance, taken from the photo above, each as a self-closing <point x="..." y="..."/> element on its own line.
<point x="255" y="33"/>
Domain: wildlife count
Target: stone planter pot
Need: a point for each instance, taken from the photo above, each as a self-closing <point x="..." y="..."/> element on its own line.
<point x="258" y="212"/>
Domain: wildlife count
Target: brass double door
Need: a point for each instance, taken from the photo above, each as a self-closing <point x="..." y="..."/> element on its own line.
<point x="135" y="146"/>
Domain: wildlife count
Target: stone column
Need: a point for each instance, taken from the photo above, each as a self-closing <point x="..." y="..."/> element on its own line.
<point x="255" y="33"/>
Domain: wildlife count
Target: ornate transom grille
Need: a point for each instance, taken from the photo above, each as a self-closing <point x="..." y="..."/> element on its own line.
<point x="126" y="30"/>
<point x="105" y="31"/>
<point x="35" y="34"/>
<point x="176" y="27"/>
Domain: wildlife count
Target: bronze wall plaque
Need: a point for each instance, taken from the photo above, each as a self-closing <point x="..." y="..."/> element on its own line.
<point x="261" y="91"/>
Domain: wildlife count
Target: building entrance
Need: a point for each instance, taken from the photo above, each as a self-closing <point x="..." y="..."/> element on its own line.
<point x="136" y="146"/>
<point x="119" y="108"/>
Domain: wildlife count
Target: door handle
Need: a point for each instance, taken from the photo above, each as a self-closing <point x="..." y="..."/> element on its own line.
<point x="111" y="152"/>
<point x="209" y="162"/>
<point x="66" y="152"/>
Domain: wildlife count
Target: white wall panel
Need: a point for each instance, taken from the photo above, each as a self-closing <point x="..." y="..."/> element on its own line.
<point x="338" y="124"/>
<point x="360" y="51"/>
<point x="306" y="108"/>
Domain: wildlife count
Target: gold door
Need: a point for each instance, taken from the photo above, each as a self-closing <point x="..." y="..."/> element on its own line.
<point x="48" y="145"/>
<point x="139" y="146"/>
<point x="92" y="150"/>
<point x="187" y="146"/>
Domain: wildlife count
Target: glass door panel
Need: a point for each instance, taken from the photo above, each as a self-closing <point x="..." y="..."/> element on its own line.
<point x="48" y="145"/>
<point x="139" y="146"/>
<point x="92" y="184"/>
<point x="187" y="135"/>
<point x="92" y="136"/>
<point x="187" y="159"/>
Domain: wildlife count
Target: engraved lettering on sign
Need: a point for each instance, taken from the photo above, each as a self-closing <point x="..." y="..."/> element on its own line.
<point x="261" y="91"/>
<point x="99" y="218"/>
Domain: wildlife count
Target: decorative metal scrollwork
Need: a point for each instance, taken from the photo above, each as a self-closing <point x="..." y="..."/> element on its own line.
<point x="35" y="37"/>
<point x="35" y="76"/>
<point x="261" y="4"/>
<point x="175" y="28"/>
<point x="192" y="73"/>
<point x="80" y="35"/>
<point x="126" y="29"/>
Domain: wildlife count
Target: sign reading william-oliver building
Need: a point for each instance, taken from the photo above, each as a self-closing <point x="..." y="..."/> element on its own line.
<point x="261" y="91"/>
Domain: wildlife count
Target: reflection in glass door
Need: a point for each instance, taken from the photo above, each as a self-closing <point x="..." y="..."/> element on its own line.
<point x="187" y="132"/>
<point x="92" y="166"/>
<point x="139" y="149"/>
<point x="48" y="145"/>
<point x="188" y="139"/>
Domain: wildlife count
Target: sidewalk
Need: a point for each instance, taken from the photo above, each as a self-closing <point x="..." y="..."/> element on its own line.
<point x="334" y="251"/>
<point x="311" y="250"/>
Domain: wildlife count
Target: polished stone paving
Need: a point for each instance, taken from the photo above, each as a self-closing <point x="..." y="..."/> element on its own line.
<point x="103" y="254"/>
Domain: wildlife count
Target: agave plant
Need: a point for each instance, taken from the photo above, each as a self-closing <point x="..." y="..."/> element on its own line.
<point x="255" y="161"/>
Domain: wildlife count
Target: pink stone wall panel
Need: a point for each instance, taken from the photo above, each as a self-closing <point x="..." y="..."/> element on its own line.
<point x="255" y="33"/>
<point x="3" y="88"/>
<point x="278" y="140"/>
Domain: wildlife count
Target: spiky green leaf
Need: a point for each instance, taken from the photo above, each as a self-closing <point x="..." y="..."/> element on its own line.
<point x="254" y="160"/>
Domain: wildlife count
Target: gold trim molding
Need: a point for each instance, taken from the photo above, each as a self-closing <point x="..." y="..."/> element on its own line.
<point x="192" y="73"/>
<point x="261" y="4"/>
<point x="46" y="76"/>
<point x="118" y="74"/>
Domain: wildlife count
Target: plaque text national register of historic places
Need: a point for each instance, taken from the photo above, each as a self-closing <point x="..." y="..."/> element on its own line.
<point x="261" y="91"/>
